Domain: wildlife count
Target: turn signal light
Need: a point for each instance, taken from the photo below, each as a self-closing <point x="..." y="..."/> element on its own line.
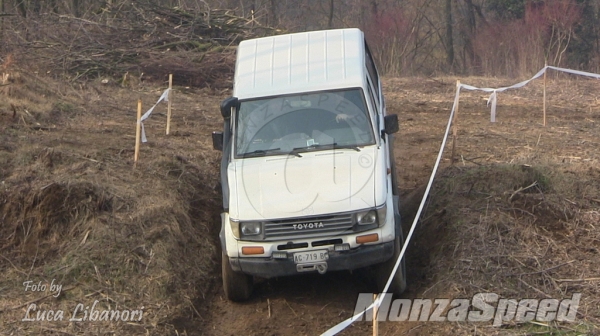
<point x="253" y="250"/>
<point x="373" y="237"/>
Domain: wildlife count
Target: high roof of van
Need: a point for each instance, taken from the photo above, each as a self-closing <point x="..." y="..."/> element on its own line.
<point x="301" y="62"/>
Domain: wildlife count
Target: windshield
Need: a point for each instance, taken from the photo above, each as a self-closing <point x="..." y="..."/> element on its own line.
<point x="274" y="126"/>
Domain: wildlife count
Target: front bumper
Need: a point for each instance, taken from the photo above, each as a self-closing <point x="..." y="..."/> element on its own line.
<point x="362" y="256"/>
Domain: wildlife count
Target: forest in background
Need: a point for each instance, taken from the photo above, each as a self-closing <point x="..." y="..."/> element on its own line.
<point x="409" y="37"/>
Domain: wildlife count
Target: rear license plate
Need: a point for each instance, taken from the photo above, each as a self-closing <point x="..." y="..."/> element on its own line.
<point x="310" y="257"/>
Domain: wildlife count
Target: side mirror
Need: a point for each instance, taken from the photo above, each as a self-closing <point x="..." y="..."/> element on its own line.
<point x="226" y="106"/>
<point x="217" y="138"/>
<point x="391" y="123"/>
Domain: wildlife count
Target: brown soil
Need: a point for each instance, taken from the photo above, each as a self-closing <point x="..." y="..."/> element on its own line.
<point x="72" y="208"/>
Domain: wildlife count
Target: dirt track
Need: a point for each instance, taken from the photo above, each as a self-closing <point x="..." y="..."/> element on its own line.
<point x="310" y="304"/>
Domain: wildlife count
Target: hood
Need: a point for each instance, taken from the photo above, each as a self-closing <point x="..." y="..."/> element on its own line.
<point x="319" y="182"/>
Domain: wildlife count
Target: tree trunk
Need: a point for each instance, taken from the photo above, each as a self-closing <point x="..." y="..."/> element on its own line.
<point x="273" y="18"/>
<point x="76" y="8"/>
<point x="1" y="24"/>
<point x="22" y="8"/>
<point x="36" y="6"/>
<point x="330" y="23"/>
<point x="53" y="6"/>
<point x="374" y="8"/>
<point x="469" y="33"/>
<point x="449" y="37"/>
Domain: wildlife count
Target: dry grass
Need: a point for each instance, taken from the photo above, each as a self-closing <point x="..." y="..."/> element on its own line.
<point x="517" y="230"/>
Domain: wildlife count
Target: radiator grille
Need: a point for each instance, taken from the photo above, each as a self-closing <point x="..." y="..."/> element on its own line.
<point x="316" y="226"/>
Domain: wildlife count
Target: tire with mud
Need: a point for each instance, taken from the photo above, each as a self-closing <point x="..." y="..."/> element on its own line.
<point x="382" y="271"/>
<point x="237" y="286"/>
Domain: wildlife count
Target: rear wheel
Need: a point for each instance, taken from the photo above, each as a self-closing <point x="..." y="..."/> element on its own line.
<point x="383" y="271"/>
<point x="237" y="286"/>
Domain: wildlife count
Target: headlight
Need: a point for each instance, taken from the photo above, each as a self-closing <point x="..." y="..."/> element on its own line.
<point x="250" y="228"/>
<point x="382" y="215"/>
<point x="367" y="217"/>
<point x="370" y="217"/>
<point x="235" y="227"/>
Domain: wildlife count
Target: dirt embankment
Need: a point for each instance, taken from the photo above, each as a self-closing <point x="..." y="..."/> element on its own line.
<point x="517" y="215"/>
<point x="73" y="209"/>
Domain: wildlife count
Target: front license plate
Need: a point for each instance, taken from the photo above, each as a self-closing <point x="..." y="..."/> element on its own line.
<point x="309" y="257"/>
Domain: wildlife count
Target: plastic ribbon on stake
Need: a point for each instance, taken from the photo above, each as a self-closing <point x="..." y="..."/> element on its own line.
<point x="494" y="92"/>
<point x="165" y="97"/>
<point x="493" y="100"/>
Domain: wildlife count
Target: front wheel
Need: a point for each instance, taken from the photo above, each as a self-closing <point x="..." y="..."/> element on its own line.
<point x="237" y="286"/>
<point x="382" y="271"/>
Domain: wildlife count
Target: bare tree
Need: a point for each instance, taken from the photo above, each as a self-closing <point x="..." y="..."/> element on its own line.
<point x="2" y="14"/>
<point x="22" y="7"/>
<point x="273" y="17"/>
<point x="76" y="8"/>
<point x="330" y="21"/>
<point x="449" y="36"/>
<point x="468" y="32"/>
<point x="53" y="6"/>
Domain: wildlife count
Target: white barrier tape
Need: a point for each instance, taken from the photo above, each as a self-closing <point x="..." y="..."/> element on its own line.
<point x="165" y="97"/>
<point x="575" y="72"/>
<point x="494" y="96"/>
<point x="346" y="323"/>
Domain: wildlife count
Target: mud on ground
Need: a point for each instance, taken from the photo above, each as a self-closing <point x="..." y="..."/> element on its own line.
<point x="517" y="214"/>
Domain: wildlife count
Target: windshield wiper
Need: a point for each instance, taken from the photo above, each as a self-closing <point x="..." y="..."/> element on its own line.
<point x="260" y="152"/>
<point x="308" y="148"/>
<point x="318" y="146"/>
<point x="263" y="152"/>
<point x="336" y="146"/>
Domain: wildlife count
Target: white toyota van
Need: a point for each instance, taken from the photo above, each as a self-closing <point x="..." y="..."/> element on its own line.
<point x="307" y="170"/>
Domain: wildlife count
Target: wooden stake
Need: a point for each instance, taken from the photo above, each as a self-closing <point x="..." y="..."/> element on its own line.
<point x="545" y="94"/>
<point x="375" y="325"/>
<point x="454" y="126"/>
<point x="138" y="132"/>
<point x="169" y="96"/>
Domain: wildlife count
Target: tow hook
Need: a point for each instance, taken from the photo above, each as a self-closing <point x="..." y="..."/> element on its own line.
<point x="319" y="267"/>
